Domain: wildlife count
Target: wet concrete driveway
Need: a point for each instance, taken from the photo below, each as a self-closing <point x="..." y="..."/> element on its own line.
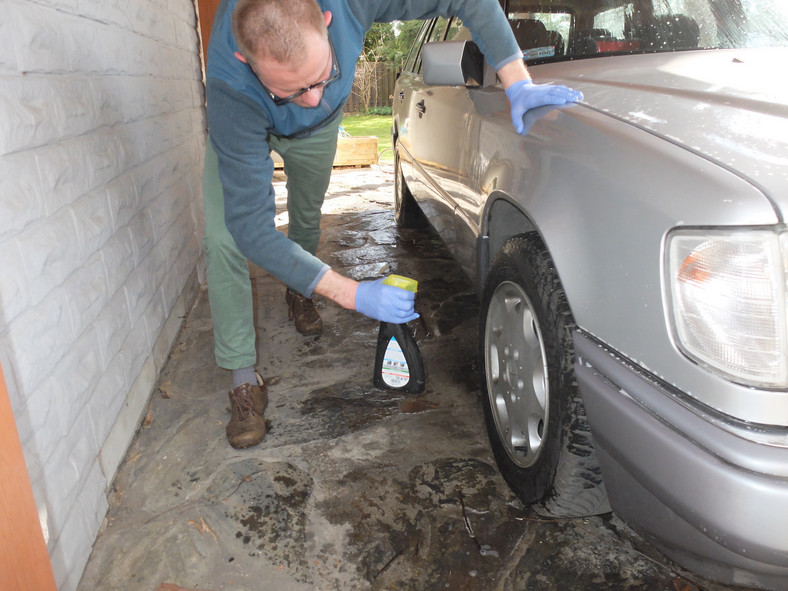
<point x="353" y="487"/>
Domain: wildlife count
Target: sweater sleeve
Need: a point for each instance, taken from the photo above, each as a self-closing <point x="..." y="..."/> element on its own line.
<point x="486" y="20"/>
<point x="239" y="134"/>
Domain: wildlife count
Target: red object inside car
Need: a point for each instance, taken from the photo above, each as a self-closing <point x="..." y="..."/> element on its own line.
<point x="603" y="46"/>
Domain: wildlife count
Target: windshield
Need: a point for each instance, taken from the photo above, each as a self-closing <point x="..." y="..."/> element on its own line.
<point x="549" y="29"/>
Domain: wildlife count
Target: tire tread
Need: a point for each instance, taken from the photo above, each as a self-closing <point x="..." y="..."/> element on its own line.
<point x="577" y="488"/>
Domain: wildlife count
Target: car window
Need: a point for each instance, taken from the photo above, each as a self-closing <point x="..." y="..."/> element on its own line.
<point x="457" y="31"/>
<point x="567" y="29"/>
<point x="439" y="30"/>
<point x="541" y="34"/>
<point x="415" y="50"/>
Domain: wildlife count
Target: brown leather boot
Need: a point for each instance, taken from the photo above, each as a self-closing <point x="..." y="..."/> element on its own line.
<point x="247" y="425"/>
<point x="260" y="395"/>
<point x="302" y="310"/>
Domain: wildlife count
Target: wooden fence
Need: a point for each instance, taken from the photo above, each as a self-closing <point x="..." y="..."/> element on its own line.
<point x="377" y="83"/>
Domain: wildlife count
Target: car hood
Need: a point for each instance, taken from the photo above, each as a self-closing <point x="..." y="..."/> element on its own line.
<point x="729" y="106"/>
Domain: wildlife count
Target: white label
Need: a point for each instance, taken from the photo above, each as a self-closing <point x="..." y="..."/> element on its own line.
<point x="538" y="52"/>
<point x="395" y="371"/>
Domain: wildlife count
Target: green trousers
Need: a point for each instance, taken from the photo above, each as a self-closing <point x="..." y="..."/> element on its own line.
<point x="307" y="164"/>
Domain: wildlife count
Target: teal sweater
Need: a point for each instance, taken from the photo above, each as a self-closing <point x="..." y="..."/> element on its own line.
<point x="241" y="116"/>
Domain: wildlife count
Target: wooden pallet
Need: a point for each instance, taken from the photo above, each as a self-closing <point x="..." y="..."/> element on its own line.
<point x="351" y="151"/>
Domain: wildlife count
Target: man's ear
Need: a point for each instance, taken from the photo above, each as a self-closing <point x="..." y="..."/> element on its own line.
<point x="239" y="57"/>
<point x="327" y="16"/>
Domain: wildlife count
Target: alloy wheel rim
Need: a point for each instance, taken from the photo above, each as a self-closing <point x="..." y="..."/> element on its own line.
<point x="516" y="373"/>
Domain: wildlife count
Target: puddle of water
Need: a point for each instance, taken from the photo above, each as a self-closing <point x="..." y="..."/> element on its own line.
<point x="340" y="409"/>
<point x="411" y="406"/>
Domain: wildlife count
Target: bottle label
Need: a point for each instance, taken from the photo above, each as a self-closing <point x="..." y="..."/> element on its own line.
<point x="395" y="371"/>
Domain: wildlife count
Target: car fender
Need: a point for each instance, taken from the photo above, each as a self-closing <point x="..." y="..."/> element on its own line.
<point x="603" y="194"/>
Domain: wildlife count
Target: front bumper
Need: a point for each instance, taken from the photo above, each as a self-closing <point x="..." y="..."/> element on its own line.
<point x="711" y="499"/>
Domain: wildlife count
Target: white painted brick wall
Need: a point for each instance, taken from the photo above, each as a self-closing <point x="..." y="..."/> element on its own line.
<point x="101" y="145"/>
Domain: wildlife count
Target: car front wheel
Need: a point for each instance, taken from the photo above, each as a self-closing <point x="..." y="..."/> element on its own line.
<point x="533" y="410"/>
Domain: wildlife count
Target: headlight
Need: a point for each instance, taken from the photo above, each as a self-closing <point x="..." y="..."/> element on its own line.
<point x="728" y="306"/>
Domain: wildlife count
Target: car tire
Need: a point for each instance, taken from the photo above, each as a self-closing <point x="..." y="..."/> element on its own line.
<point x="533" y="411"/>
<point x="407" y="213"/>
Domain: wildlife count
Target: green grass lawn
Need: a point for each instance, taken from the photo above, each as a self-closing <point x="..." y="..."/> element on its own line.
<point x="377" y="125"/>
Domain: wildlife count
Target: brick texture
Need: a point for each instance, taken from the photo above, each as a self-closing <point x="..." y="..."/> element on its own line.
<point x="101" y="145"/>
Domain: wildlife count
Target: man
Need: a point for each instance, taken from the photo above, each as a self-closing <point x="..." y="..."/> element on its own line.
<point x="278" y="75"/>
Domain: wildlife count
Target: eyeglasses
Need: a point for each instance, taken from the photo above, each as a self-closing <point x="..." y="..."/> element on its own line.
<point x="335" y="73"/>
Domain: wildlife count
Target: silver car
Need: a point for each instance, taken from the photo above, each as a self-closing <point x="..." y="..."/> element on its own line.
<point x="631" y="253"/>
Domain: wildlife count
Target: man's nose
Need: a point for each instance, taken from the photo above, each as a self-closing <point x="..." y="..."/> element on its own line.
<point x="312" y="97"/>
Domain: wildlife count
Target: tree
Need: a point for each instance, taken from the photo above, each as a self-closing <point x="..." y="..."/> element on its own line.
<point x="366" y="81"/>
<point x="390" y="42"/>
<point x="387" y="43"/>
<point x="380" y="43"/>
<point x="405" y="39"/>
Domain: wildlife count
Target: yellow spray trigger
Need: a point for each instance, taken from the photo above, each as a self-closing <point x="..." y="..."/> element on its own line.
<point x="402" y="282"/>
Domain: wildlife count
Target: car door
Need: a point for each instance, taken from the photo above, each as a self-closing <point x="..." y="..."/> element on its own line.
<point x="432" y="127"/>
<point x="408" y="82"/>
<point x="459" y="141"/>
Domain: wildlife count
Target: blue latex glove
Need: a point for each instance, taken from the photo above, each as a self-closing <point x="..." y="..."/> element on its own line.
<point x="385" y="302"/>
<point x="524" y="95"/>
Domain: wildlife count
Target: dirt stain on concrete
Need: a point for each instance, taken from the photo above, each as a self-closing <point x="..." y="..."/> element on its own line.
<point x="270" y="508"/>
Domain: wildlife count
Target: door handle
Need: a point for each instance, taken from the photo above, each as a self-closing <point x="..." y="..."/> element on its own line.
<point x="421" y="107"/>
<point x="401" y="95"/>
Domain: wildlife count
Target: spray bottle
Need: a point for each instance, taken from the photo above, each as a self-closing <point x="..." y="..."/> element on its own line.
<point x="398" y="363"/>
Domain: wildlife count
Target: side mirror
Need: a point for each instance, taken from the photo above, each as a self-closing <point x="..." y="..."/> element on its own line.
<point x="452" y="63"/>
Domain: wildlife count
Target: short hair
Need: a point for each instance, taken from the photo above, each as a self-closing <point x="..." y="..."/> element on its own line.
<point x="275" y="28"/>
